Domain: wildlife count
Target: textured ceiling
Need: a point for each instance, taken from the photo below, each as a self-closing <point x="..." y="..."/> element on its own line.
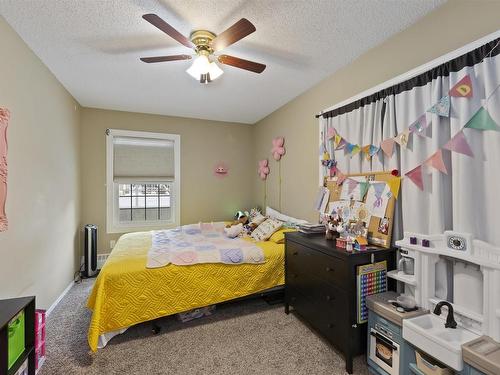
<point x="93" y="48"/>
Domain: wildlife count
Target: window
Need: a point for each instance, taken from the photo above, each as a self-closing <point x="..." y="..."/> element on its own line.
<point x="143" y="180"/>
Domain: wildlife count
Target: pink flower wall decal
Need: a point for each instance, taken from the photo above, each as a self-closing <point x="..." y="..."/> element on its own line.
<point x="263" y="169"/>
<point x="278" y="150"/>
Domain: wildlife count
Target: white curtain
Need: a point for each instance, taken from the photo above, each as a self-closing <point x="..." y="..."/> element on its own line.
<point x="467" y="199"/>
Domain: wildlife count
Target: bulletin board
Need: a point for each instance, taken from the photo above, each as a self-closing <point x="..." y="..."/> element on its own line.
<point x="375" y="237"/>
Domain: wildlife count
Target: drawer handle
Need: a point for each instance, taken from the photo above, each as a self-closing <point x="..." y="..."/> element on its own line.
<point x="295" y="253"/>
<point x="328" y="269"/>
<point x="331" y="325"/>
<point x="330" y="298"/>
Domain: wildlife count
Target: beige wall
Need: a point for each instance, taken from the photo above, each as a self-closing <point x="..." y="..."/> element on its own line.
<point x="203" y="144"/>
<point x="449" y="27"/>
<point x="39" y="252"/>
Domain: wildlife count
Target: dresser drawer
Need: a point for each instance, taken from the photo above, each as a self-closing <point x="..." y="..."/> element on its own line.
<point x="328" y="268"/>
<point x="330" y="321"/>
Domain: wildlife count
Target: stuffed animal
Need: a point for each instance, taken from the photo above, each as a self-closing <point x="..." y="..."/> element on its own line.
<point x="333" y="222"/>
<point x="240" y="218"/>
<point x="234" y="230"/>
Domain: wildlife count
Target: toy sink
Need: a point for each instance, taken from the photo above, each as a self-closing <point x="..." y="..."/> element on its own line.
<point x="427" y="332"/>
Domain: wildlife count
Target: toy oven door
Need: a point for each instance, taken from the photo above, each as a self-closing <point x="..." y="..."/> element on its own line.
<point x="384" y="352"/>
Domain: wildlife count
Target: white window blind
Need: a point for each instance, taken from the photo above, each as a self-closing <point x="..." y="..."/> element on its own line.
<point x="141" y="159"/>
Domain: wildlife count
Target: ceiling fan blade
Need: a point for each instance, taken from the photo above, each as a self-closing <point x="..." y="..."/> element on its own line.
<point x="165" y="58"/>
<point x="154" y="20"/>
<point x="238" y="31"/>
<point x="241" y="63"/>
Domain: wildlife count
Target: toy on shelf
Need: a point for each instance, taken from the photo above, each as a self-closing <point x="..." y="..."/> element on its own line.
<point x="360" y="243"/>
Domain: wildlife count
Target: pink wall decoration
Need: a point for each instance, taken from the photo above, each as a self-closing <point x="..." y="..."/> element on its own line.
<point x="263" y="169"/>
<point x="4" y="122"/>
<point x="221" y="169"/>
<point x="278" y="150"/>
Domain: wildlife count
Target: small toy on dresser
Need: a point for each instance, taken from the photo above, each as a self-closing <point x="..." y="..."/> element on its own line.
<point x="333" y="224"/>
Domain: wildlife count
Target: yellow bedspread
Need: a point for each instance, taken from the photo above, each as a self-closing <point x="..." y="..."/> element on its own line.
<point x="126" y="293"/>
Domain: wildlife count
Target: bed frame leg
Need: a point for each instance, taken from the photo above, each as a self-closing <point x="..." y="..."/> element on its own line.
<point x="155" y="328"/>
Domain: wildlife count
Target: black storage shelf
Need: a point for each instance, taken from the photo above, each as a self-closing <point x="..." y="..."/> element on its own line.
<point x="9" y="308"/>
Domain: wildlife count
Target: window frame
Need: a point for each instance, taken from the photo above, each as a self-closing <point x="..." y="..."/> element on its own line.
<point x="113" y="224"/>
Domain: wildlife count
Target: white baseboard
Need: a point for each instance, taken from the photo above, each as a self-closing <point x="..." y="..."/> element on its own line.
<point x="56" y="302"/>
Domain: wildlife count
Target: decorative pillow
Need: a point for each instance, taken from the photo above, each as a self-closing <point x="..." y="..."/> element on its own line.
<point x="279" y="236"/>
<point x="258" y="219"/>
<point x="291" y="221"/>
<point x="266" y="229"/>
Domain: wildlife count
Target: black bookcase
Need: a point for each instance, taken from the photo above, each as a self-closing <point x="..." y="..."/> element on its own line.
<point x="9" y="308"/>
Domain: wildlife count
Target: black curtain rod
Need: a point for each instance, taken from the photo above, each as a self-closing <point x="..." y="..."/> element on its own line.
<point x="468" y="59"/>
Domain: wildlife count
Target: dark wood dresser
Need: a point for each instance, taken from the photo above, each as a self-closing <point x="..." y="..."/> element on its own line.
<point x="320" y="285"/>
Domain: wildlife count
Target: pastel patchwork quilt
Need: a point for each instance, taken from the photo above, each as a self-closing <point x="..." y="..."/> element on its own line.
<point x="200" y="243"/>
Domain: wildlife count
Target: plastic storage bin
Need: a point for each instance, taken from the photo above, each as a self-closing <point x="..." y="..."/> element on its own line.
<point x="16" y="339"/>
<point x="429" y="366"/>
<point x="23" y="370"/>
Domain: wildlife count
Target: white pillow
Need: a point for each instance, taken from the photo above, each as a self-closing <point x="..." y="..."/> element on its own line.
<point x="258" y="219"/>
<point x="266" y="229"/>
<point x="273" y="214"/>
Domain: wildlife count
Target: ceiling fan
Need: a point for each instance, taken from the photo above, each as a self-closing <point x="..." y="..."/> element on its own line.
<point x="206" y="44"/>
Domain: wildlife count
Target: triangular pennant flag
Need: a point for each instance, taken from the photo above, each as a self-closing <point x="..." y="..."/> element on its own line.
<point x="322" y="149"/>
<point x="394" y="184"/>
<point x="340" y="177"/>
<point x="341" y="144"/>
<point x="351" y="185"/>
<point x="403" y="138"/>
<point x="363" y="188"/>
<point x="416" y="176"/>
<point x="462" y="88"/>
<point x="337" y="139"/>
<point x="442" y="107"/>
<point x="366" y="149"/>
<point x="388" y="146"/>
<point x="331" y="133"/>
<point x="436" y="161"/>
<point x="459" y="144"/>
<point x="419" y="126"/>
<point x="482" y="121"/>
<point x="352" y="149"/>
<point x="378" y="189"/>
<point x="373" y="150"/>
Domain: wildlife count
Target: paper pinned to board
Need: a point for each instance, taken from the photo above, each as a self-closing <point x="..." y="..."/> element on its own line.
<point x="377" y="198"/>
<point x="352" y="189"/>
<point x="322" y="199"/>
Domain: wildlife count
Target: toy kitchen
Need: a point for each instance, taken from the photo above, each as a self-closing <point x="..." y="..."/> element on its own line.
<point x="445" y="316"/>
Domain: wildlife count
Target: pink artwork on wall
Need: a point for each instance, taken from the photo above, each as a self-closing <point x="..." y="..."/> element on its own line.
<point x="4" y="122"/>
<point x="263" y="169"/>
<point x="278" y="150"/>
<point x="221" y="169"/>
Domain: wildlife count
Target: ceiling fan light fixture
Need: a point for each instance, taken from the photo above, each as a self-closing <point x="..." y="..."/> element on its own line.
<point x="214" y="71"/>
<point x="200" y="66"/>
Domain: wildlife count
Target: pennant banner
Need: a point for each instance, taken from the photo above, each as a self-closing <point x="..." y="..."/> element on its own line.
<point x="342" y="144"/>
<point x="419" y="127"/>
<point x="340" y="177"/>
<point x="459" y="144"/>
<point x="482" y="121"/>
<point x="403" y="138"/>
<point x="394" y="184"/>
<point x="388" y="146"/>
<point x="463" y="88"/>
<point x="416" y="176"/>
<point x="373" y="150"/>
<point x="331" y="133"/>
<point x="436" y="161"/>
<point x="442" y="107"/>
<point x="363" y="188"/>
<point x="351" y="185"/>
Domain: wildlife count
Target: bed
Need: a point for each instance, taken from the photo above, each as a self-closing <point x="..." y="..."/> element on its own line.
<point x="127" y="293"/>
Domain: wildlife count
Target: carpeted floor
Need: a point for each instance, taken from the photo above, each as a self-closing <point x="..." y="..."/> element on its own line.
<point x="247" y="337"/>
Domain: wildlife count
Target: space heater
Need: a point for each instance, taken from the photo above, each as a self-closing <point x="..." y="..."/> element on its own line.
<point x="90" y="251"/>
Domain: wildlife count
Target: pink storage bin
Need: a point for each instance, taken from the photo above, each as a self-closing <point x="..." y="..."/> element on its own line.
<point x="39" y="338"/>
